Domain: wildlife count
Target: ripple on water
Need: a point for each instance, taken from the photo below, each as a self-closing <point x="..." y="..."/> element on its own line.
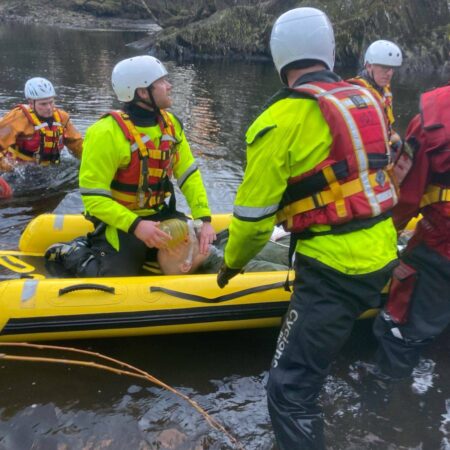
<point x="423" y="375"/>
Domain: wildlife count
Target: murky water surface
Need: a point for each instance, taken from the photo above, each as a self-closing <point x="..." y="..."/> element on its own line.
<point x="48" y="406"/>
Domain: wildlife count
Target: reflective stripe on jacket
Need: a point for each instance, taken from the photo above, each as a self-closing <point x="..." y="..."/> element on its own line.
<point x="352" y="182"/>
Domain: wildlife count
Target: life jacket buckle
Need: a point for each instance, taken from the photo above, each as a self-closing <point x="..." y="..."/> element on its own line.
<point x="317" y="200"/>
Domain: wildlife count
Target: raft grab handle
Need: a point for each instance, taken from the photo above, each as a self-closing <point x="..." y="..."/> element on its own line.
<point x="220" y="298"/>
<point x="87" y="286"/>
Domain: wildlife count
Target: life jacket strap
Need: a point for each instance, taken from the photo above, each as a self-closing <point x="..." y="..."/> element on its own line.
<point x="435" y="194"/>
<point x="324" y="198"/>
<point x="336" y="190"/>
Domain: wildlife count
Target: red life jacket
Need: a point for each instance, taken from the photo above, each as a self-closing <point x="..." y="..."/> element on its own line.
<point x="384" y="95"/>
<point x="145" y="182"/>
<point x="46" y="143"/>
<point x="353" y="181"/>
<point x="435" y="117"/>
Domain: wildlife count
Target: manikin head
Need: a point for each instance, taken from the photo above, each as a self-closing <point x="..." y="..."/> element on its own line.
<point x="182" y="255"/>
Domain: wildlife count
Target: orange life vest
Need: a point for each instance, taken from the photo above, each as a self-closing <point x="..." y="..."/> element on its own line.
<point x="47" y="142"/>
<point x="353" y="181"/>
<point x="145" y="182"/>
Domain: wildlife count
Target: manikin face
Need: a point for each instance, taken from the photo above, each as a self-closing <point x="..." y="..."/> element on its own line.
<point x="183" y="259"/>
<point x="161" y="93"/>
<point x="382" y="75"/>
<point x="43" y="107"/>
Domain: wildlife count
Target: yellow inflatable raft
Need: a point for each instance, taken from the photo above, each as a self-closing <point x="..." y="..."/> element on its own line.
<point x="34" y="306"/>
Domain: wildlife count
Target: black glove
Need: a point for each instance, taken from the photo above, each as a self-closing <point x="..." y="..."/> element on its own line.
<point x="226" y="274"/>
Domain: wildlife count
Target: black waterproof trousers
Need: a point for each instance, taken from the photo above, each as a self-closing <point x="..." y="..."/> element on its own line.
<point x="324" y="306"/>
<point x="429" y="314"/>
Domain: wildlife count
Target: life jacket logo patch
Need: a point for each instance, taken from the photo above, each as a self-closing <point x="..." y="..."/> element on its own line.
<point x="358" y="101"/>
<point x="380" y="178"/>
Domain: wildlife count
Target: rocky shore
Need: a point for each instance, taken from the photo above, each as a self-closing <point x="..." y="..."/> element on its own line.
<point x="240" y="29"/>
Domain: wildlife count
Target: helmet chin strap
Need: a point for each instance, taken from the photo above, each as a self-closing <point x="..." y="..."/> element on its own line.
<point x="153" y="104"/>
<point x="34" y="109"/>
<point x="152" y="99"/>
<point x="150" y="102"/>
<point x="369" y="75"/>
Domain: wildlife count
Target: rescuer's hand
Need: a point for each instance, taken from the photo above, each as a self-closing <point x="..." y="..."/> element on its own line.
<point x="150" y="233"/>
<point x="206" y="237"/>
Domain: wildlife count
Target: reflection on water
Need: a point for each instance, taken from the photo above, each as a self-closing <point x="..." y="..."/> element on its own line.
<point x="60" y="407"/>
<point x="224" y="373"/>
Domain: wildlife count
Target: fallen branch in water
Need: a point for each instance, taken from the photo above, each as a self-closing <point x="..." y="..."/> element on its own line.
<point x="132" y="372"/>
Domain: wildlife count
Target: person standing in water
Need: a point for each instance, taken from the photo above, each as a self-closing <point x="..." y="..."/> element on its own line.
<point x="418" y="307"/>
<point x="317" y="161"/>
<point x="37" y="132"/>
<point x="381" y="60"/>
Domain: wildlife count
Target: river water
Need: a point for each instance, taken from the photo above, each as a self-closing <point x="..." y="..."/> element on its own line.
<point x="48" y="406"/>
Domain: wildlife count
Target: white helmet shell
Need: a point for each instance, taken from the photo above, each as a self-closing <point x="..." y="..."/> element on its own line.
<point x="385" y="53"/>
<point x="38" y="88"/>
<point x="302" y="33"/>
<point x="133" y="73"/>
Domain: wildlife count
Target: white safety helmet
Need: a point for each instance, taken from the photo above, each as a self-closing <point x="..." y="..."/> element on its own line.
<point x="38" y="88"/>
<point x="133" y="73"/>
<point x="302" y="33"/>
<point x="385" y="53"/>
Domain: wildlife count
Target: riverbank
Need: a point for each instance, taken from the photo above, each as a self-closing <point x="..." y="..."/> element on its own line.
<point x="240" y="29"/>
<point x="58" y="14"/>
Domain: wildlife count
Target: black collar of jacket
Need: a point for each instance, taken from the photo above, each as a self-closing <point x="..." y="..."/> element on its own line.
<point x="326" y="76"/>
<point x="48" y="120"/>
<point x="139" y="116"/>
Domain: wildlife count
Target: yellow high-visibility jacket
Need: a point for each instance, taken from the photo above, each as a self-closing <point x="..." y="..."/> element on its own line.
<point x="106" y="150"/>
<point x="288" y="139"/>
